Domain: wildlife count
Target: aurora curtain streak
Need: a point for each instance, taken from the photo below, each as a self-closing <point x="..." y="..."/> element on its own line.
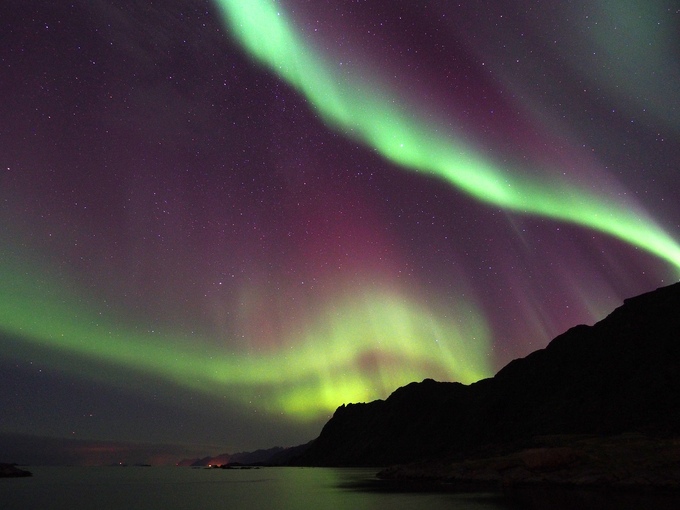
<point x="221" y="220"/>
<point x="370" y="113"/>
<point x="358" y="348"/>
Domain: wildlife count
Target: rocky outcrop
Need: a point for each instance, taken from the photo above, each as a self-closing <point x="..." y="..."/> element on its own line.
<point x="628" y="460"/>
<point x="11" y="471"/>
<point x="620" y="375"/>
<point x="624" y="472"/>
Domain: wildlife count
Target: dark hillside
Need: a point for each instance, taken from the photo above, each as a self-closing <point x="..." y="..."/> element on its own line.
<point x="620" y="375"/>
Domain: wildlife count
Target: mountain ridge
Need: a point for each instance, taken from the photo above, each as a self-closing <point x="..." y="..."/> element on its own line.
<point x="619" y="375"/>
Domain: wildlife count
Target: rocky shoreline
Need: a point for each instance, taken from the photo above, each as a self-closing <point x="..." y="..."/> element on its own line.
<point x="628" y="460"/>
<point x="559" y="472"/>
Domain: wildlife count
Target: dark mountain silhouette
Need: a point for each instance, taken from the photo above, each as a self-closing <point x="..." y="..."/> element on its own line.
<point x="256" y="457"/>
<point x="285" y="456"/>
<point x="275" y="456"/>
<point x="620" y="375"/>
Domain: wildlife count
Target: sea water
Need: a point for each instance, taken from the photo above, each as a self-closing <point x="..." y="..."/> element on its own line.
<point x="173" y="488"/>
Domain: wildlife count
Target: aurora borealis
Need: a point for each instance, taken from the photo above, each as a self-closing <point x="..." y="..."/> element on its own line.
<point x="223" y="219"/>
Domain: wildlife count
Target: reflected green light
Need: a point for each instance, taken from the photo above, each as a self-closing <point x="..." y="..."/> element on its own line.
<point x="370" y="113"/>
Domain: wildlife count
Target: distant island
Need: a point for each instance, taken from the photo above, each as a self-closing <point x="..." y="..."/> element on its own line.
<point x="599" y="406"/>
<point x="12" y="471"/>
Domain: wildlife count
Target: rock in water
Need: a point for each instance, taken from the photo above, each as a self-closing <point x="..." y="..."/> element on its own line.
<point x="11" y="471"/>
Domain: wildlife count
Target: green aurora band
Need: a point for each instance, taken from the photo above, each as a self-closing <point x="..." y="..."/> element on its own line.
<point x="362" y="343"/>
<point x="371" y="114"/>
<point x="361" y="347"/>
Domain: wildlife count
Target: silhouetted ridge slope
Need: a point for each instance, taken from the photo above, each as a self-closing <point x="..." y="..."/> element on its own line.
<point x="620" y="375"/>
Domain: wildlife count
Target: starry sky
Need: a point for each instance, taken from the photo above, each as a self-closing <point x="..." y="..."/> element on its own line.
<point x="220" y="220"/>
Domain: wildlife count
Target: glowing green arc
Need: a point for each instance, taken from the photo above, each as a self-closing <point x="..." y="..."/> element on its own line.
<point x="367" y="112"/>
<point x="321" y="369"/>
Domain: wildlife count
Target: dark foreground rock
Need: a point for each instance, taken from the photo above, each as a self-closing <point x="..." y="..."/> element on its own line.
<point x="624" y="461"/>
<point x="625" y="472"/>
<point x="11" y="471"/>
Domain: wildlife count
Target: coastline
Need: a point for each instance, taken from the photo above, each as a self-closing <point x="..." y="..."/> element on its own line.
<point x="622" y="471"/>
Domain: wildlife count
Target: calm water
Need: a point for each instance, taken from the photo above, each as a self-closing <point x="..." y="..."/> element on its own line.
<point x="129" y="488"/>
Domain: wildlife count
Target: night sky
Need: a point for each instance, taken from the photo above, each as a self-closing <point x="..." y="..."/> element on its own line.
<point x="220" y="220"/>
